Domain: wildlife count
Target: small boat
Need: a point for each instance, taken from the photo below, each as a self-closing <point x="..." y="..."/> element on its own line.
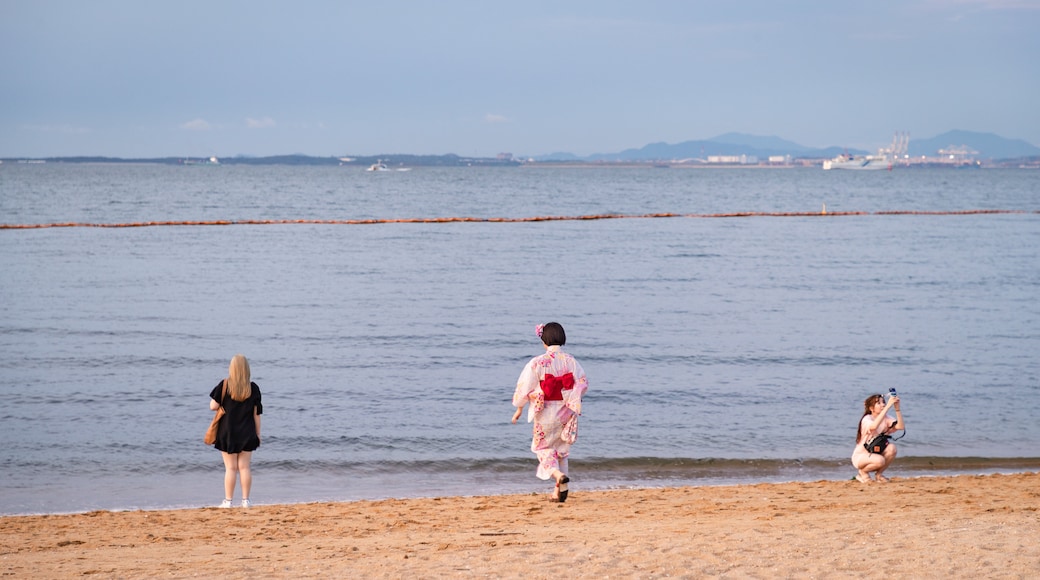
<point x="210" y="161"/>
<point x="380" y="166"/>
<point x="860" y="162"/>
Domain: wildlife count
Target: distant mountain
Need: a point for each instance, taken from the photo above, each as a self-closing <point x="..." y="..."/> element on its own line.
<point x="988" y="145"/>
<point x="727" y="144"/>
<point x="762" y="143"/>
<point x="559" y="156"/>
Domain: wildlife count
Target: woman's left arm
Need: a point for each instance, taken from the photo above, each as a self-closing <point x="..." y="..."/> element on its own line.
<point x="899" y="424"/>
<point x="258" y="407"/>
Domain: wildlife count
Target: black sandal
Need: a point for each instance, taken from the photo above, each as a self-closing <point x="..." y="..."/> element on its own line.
<point x="562" y="488"/>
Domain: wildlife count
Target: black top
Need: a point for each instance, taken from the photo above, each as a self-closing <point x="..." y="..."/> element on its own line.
<point x="237" y="429"/>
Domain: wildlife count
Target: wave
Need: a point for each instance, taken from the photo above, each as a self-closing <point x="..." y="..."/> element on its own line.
<point x="594" y="468"/>
<point x="643" y="468"/>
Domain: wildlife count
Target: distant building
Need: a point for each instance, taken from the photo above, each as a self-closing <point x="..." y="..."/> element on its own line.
<point x="733" y="159"/>
<point x="957" y="155"/>
<point x="504" y="156"/>
<point x="779" y="159"/>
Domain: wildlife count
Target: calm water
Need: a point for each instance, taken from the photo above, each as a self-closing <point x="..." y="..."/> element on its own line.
<point x="720" y="350"/>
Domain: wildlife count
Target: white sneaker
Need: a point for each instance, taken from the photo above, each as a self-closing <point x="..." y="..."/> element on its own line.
<point x="246" y="503"/>
<point x="225" y="504"/>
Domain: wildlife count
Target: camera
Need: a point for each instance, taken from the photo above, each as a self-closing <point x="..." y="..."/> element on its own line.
<point x="892" y="392"/>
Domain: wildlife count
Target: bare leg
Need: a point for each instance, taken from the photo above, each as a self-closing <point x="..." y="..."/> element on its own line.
<point x="550" y="466"/>
<point x="864" y="466"/>
<point x="560" y="490"/>
<point x="245" y="474"/>
<point x="890" y="456"/>
<point x="230" y="474"/>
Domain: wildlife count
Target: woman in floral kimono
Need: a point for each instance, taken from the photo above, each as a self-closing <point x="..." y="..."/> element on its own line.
<point x="553" y="383"/>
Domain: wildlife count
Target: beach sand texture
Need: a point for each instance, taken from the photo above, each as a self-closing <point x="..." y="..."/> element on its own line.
<point x="935" y="527"/>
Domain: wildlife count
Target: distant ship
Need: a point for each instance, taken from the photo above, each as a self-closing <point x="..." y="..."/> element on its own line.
<point x="380" y="166"/>
<point x="885" y="158"/>
<point x="210" y="161"/>
<point x="860" y="162"/>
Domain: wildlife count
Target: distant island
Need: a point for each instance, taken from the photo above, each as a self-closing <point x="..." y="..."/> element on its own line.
<point x="950" y="148"/>
<point x="402" y="160"/>
<point x="953" y="148"/>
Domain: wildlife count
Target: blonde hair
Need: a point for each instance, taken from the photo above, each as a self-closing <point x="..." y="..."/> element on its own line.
<point x="238" y="381"/>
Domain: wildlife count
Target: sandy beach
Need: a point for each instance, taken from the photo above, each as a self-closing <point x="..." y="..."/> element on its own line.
<point x="941" y="527"/>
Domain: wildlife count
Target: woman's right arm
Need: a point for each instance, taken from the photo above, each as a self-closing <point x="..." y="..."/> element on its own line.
<point x="882" y="417"/>
<point x="524" y="384"/>
<point x="218" y="391"/>
<point x="527" y="382"/>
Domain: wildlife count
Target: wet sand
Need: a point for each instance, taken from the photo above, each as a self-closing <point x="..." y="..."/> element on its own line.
<point x="936" y="527"/>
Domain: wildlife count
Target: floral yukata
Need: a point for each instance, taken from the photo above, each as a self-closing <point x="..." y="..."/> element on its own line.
<point x="553" y="384"/>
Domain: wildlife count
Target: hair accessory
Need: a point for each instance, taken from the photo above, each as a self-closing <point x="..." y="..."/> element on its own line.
<point x="538" y="330"/>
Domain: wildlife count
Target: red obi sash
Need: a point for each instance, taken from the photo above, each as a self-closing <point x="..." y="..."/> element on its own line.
<point x="553" y="387"/>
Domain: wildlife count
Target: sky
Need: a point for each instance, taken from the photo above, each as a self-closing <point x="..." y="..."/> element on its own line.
<point x="127" y="78"/>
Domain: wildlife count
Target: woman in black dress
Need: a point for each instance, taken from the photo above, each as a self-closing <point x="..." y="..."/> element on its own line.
<point x="238" y="433"/>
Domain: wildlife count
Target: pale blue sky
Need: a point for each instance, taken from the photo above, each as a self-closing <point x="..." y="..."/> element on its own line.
<point x="131" y="78"/>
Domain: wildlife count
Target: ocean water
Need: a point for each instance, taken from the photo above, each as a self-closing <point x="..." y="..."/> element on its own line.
<point x="718" y="350"/>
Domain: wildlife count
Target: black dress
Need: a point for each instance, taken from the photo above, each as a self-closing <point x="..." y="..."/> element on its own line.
<point x="237" y="429"/>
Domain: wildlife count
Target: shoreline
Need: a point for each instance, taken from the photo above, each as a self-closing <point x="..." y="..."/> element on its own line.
<point x="196" y="489"/>
<point x="967" y="525"/>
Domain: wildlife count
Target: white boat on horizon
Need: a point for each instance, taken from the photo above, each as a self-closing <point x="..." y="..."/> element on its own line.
<point x="858" y="162"/>
<point x="210" y="161"/>
<point x="380" y="166"/>
<point x="886" y="156"/>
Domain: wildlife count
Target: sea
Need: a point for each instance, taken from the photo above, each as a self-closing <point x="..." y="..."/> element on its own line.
<point x="731" y="322"/>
